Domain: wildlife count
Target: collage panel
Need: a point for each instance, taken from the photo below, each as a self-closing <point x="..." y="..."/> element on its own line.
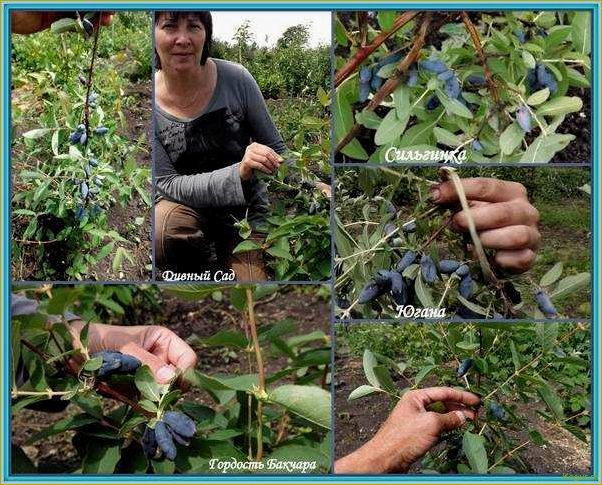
<point x="466" y="243"/>
<point x="242" y="140"/>
<point x="80" y="153"/>
<point x="171" y="379"/>
<point x="463" y="398"/>
<point x="463" y="87"/>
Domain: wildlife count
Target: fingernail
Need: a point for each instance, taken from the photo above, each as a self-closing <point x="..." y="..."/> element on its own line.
<point x="166" y="373"/>
<point x="434" y="193"/>
<point x="462" y="416"/>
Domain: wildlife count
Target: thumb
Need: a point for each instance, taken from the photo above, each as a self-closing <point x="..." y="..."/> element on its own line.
<point x="162" y="371"/>
<point x="452" y="420"/>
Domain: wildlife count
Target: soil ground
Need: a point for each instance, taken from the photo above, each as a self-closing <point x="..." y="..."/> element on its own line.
<point x="191" y="321"/>
<point x="355" y="422"/>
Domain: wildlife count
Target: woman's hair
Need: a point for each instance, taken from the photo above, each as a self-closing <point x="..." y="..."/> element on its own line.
<point x="204" y="16"/>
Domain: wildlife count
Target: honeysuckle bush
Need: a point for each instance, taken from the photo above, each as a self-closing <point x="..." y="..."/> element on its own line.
<point x="297" y="228"/>
<point x="498" y="86"/>
<point x="394" y="248"/>
<point x="515" y="368"/>
<point x="74" y="154"/>
<point x="272" y="412"/>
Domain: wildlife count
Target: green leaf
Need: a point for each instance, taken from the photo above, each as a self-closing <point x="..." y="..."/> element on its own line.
<point x="63" y="25"/>
<point x="547" y="333"/>
<point x="538" y="97"/>
<point x="446" y="137"/>
<point x="390" y="129"/>
<point x="570" y="284"/>
<point x="582" y="32"/>
<point x="511" y="138"/>
<point x="552" y="400"/>
<point x="248" y="245"/>
<point x="37" y="133"/>
<point x="228" y="338"/>
<point x="101" y="457"/>
<point x="515" y="356"/>
<point x="343" y="122"/>
<point x="422" y="373"/>
<point x="560" y="106"/>
<point x="369" y="119"/>
<point x="543" y="148"/>
<point x="61" y="426"/>
<point x="467" y="345"/>
<point x="528" y="60"/>
<point x="369" y="363"/>
<point x="310" y="402"/>
<point x="89" y="402"/>
<point x="386" y="19"/>
<point x="552" y="275"/>
<point x="130" y="424"/>
<point x="93" y="364"/>
<point x="361" y="392"/>
<point x="453" y="106"/>
<point x="473" y="446"/>
<point x="146" y="384"/>
<point x="423" y="292"/>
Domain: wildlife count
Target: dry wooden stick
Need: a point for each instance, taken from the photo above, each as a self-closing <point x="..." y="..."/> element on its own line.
<point x="353" y="64"/>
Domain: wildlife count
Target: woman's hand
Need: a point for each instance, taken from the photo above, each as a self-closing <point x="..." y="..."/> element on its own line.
<point x="504" y="218"/>
<point x="30" y="22"/>
<point x="259" y="157"/>
<point x="158" y="347"/>
<point x="410" y="431"/>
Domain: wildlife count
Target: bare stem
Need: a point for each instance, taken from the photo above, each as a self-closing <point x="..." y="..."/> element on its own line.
<point x="260" y="372"/>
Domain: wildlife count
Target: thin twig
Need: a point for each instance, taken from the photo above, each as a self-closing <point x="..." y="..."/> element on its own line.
<point x="476" y="40"/>
<point x="260" y="372"/>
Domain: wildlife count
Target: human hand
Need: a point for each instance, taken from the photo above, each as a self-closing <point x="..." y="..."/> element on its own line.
<point x="259" y="157"/>
<point x="158" y="347"/>
<point x="29" y="22"/>
<point x="504" y="218"/>
<point x="410" y="431"/>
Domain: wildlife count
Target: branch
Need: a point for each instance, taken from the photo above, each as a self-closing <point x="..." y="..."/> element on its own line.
<point x="260" y="372"/>
<point x="476" y="40"/>
<point x="361" y="55"/>
<point x="89" y="83"/>
<point x="394" y="81"/>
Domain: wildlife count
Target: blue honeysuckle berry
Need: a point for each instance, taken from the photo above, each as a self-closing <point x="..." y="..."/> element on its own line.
<point x="545" y="304"/>
<point x="434" y="65"/>
<point x="365" y="74"/>
<point x="446" y="75"/>
<point x="364" y="91"/>
<point x="369" y="292"/>
<point x="412" y="78"/>
<point x="476" y="79"/>
<point x="464" y="367"/>
<point x="376" y="82"/>
<point x="101" y="130"/>
<point x="432" y="103"/>
<point x="452" y="87"/>
<point x="520" y="35"/>
<point x="476" y="146"/>
<point x="406" y="260"/>
<point x="523" y="117"/>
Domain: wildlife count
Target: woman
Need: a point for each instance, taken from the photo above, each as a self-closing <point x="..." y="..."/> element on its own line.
<point x="213" y="132"/>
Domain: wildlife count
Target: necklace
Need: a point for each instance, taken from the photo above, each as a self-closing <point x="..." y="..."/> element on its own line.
<point x="172" y="102"/>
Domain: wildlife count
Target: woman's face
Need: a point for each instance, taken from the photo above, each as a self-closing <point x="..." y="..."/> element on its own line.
<point x="180" y="42"/>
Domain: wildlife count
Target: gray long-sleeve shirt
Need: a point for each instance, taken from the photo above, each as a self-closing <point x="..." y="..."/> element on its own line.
<point x="197" y="160"/>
